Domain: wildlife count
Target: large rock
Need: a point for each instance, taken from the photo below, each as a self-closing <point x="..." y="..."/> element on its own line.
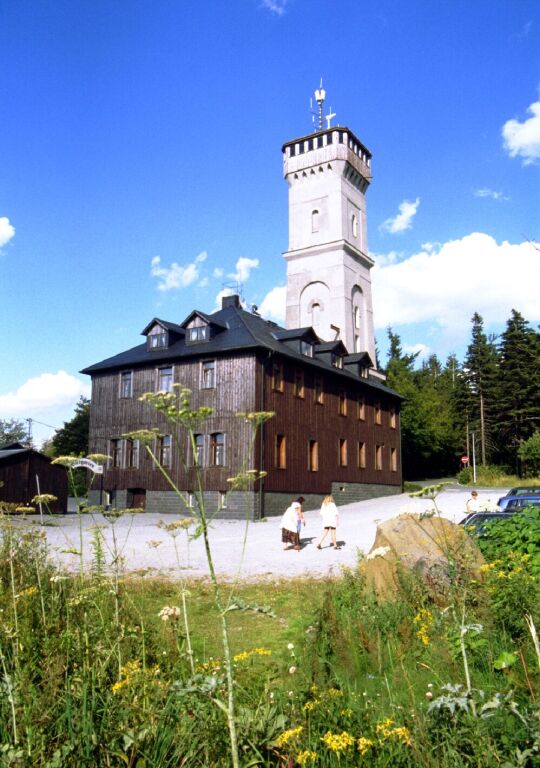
<point x="435" y="550"/>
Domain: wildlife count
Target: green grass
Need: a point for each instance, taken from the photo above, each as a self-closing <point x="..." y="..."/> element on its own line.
<point x="325" y="673"/>
<point x="495" y="477"/>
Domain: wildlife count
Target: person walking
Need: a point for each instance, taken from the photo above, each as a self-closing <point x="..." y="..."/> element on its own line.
<point x="330" y="519"/>
<point x="300" y="519"/>
<point x="289" y="526"/>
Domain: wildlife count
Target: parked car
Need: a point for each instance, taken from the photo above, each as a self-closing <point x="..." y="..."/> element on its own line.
<point x="519" y="501"/>
<point x="475" y="522"/>
<point x="521" y="490"/>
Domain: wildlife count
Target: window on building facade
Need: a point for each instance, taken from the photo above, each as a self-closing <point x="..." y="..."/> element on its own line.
<point x="342" y="402"/>
<point x="132" y="454"/>
<point x="126" y="383"/>
<point x="378" y="412"/>
<point x="277" y="376"/>
<point x="361" y="455"/>
<point x="164" y="445"/>
<point x="299" y="382"/>
<point x="393" y="418"/>
<point x="378" y="457"/>
<point x="198" y="333"/>
<point x="115" y="452"/>
<point x="208" y="374"/>
<point x="165" y="379"/>
<point x="354" y="225"/>
<point x="199" y="449"/>
<point x="157" y="338"/>
<point x="337" y="360"/>
<point x="217" y="449"/>
<point x="318" y="392"/>
<point x="223" y="499"/>
<point x="315" y="220"/>
<point x="361" y="409"/>
<point x="393" y="459"/>
<point x="281" y="452"/>
<point x="313" y="455"/>
<point x="306" y="348"/>
<point x="190" y="499"/>
<point x="342" y="452"/>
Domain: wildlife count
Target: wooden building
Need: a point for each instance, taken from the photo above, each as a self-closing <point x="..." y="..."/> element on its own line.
<point x="336" y="427"/>
<point x="24" y="473"/>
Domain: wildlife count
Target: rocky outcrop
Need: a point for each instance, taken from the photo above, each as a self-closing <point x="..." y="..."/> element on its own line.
<point x="438" y="552"/>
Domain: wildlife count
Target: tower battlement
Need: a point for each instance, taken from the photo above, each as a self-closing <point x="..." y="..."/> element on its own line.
<point x="324" y="147"/>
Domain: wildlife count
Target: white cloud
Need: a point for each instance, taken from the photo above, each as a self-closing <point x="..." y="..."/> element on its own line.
<point x="273" y="305"/>
<point x="218" y="272"/>
<point x="383" y="259"/>
<point x="444" y="288"/>
<point x="275" y="6"/>
<point x="243" y="269"/>
<point x="485" y="192"/>
<point x="420" y="350"/>
<point x="176" y="276"/>
<point x="7" y="230"/>
<point x="403" y="220"/>
<point x="49" y="398"/>
<point x="203" y="283"/>
<point x="523" y="139"/>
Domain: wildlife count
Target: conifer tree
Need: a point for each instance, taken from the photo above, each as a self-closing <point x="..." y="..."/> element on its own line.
<point x="481" y="377"/>
<point x="518" y="413"/>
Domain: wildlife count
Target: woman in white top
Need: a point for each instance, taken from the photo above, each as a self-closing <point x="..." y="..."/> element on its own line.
<point x="330" y="520"/>
<point x="289" y="529"/>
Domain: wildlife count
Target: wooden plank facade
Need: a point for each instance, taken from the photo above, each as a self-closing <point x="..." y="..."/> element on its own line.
<point x="335" y="425"/>
<point x="19" y="469"/>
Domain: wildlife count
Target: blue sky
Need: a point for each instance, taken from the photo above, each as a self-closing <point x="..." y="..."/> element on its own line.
<point x="141" y="167"/>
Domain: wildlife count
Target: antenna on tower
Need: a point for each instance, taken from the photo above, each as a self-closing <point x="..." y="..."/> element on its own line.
<point x="320" y="95"/>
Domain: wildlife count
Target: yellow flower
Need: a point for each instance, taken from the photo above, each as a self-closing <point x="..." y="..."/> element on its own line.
<point x="364" y="745"/>
<point x="255" y="652"/>
<point x="309" y="706"/>
<point x="28" y="592"/>
<point x="402" y="734"/>
<point x="304" y="757"/>
<point x="288" y="736"/>
<point x="337" y="742"/>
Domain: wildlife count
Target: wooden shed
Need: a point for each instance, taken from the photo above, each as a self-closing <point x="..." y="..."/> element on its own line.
<point x="25" y="472"/>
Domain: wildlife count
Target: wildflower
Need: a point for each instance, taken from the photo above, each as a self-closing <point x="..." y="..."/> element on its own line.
<point x="44" y="498"/>
<point x="170" y="612"/>
<point x="28" y="592"/>
<point x="66" y="461"/>
<point x="288" y="736"/>
<point x="292" y="670"/>
<point x="25" y="510"/>
<point x="154" y="544"/>
<point x="302" y="758"/>
<point x="423" y="620"/>
<point x="346" y="712"/>
<point x="309" y="706"/>
<point x="334" y="693"/>
<point x="364" y="745"/>
<point x="290" y="646"/>
<point x="255" y="652"/>
<point x="378" y="552"/>
<point x="337" y="742"/>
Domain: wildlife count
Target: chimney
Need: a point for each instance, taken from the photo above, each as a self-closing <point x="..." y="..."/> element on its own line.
<point x="230" y="301"/>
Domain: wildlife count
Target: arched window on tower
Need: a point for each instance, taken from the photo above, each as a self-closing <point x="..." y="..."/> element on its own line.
<point x="354" y="225"/>
<point x="315" y="220"/>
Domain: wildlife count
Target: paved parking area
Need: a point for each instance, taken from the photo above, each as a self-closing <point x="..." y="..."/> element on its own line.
<point x="255" y="553"/>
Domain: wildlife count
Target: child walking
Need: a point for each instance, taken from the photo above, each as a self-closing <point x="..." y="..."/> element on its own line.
<point x="330" y="519"/>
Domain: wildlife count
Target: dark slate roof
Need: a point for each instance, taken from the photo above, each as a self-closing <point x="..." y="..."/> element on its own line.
<point x="296" y="333"/>
<point x="242" y="331"/>
<point x="164" y="324"/>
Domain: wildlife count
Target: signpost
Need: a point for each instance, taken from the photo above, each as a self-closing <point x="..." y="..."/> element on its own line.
<point x="464" y="459"/>
<point x="97" y="469"/>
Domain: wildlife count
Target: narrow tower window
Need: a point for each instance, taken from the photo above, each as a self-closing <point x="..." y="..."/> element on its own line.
<point x="315" y="220"/>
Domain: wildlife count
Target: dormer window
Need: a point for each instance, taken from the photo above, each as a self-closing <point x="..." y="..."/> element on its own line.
<point x="306" y="348"/>
<point x="198" y="330"/>
<point x="337" y="360"/>
<point x="199" y="333"/>
<point x="157" y="338"/>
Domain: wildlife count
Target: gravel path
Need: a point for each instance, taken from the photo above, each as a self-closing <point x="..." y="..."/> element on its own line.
<point x="148" y="548"/>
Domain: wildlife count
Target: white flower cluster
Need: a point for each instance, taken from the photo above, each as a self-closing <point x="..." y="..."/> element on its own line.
<point x="378" y="552"/>
<point x="170" y="612"/>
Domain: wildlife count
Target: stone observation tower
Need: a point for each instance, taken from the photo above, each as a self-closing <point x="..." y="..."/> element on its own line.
<point x="328" y="267"/>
